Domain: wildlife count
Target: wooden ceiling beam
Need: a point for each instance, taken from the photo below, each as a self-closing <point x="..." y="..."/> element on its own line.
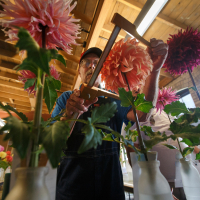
<point x="69" y="57"/>
<point x="13" y="96"/>
<point x="10" y="59"/>
<point x="166" y="74"/>
<point x="161" y="17"/>
<point x="83" y="17"/>
<point x="109" y="28"/>
<point x="12" y="74"/>
<point x="21" y="103"/>
<point x="98" y="22"/>
<point x="19" y="107"/>
<point x="15" y="91"/>
<point x="6" y="100"/>
<point x="8" y="49"/>
<point x="11" y="83"/>
<point x="101" y="12"/>
<point x="61" y="68"/>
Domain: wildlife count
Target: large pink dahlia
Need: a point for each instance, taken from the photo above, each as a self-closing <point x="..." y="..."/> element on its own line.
<point x="184" y="51"/>
<point x="61" y="30"/>
<point x="26" y="74"/>
<point x="128" y="61"/>
<point x="165" y="96"/>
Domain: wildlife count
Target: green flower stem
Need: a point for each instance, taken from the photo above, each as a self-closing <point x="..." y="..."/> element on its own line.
<point x="36" y="123"/>
<point x="143" y="149"/>
<point x="176" y="138"/>
<point x="141" y="141"/>
<point x="38" y="110"/>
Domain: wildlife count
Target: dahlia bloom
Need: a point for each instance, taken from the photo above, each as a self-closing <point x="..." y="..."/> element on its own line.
<point x="184" y="52"/>
<point x="1" y="148"/>
<point x="126" y="61"/>
<point x="9" y="158"/>
<point x="61" y="30"/>
<point x="165" y="96"/>
<point x="26" y="74"/>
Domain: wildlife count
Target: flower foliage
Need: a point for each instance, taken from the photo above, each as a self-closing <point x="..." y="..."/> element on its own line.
<point x="128" y="61"/>
<point x="184" y="51"/>
<point x="5" y="158"/>
<point x="165" y="96"/>
<point x="61" y="30"/>
<point x="27" y="75"/>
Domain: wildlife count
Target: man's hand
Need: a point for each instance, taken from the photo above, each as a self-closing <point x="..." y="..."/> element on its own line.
<point x="158" y="53"/>
<point x="75" y="104"/>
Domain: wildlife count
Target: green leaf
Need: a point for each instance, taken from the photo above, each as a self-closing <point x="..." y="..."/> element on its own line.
<point x="103" y="113"/>
<point x="19" y="134"/>
<point x="50" y="94"/>
<point x="176" y="108"/>
<point x="29" y="83"/>
<point x="108" y="137"/>
<point x="155" y="137"/>
<point x="53" y="139"/>
<point x="187" y="151"/>
<point x="128" y="126"/>
<point x="170" y="146"/>
<point x="92" y="137"/>
<point x="28" y="65"/>
<point x="39" y="56"/>
<point x="126" y="97"/>
<point x="57" y="56"/>
<point x="57" y="84"/>
<point x="3" y="164"/>
<point x="197" y="156"/>
<point x="9" y="108"/>
<point x="142" y="104"/>
<point x="187" y="141"/>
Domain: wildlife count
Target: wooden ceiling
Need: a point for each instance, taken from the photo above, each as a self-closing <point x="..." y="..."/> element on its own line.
<point x="96" y="28"/>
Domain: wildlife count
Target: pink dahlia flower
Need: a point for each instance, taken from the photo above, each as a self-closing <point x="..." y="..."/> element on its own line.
<point x="165" y="96"/>
<point x="1" y="148"/>
<point x="26" y="74"/>
<point x="184" y="52"/>
<point x="61" y="30"/>
<point x="126" y="61"/>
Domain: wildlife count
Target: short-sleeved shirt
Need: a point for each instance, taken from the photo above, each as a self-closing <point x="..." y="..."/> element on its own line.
<point x="95" y="174"/>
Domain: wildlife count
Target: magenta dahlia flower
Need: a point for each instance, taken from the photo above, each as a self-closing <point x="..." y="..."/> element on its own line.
<point x="26" y="74"/>
<point x="128" y="61"/>
<point x="165" y="96"/>
<point x="184" y="52"/>
<point x="61" y="30"/>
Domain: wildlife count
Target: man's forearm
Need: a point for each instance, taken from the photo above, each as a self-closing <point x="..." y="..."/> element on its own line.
<point x="151" y="87"/>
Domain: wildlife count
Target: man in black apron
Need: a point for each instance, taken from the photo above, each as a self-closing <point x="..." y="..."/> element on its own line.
<point x="96" y="174"/>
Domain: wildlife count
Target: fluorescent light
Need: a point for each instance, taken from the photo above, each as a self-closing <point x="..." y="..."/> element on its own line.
<point x="150" y="16"/>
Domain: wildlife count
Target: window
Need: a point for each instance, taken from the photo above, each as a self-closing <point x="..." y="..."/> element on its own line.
<point x="185" y="97"/>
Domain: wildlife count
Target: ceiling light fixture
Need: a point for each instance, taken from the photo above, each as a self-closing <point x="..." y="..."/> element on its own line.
<point x="147" y="15"/>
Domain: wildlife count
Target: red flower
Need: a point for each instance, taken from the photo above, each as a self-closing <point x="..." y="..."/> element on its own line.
<point x="61" y="30"/>
<point x="8" y="153"/>
<point x="128" y="61"/>
<point x="9" y="158"/>
<point x="184" y="51"/>
<point x="26" y="74"/>
<point x="165" y="96"/>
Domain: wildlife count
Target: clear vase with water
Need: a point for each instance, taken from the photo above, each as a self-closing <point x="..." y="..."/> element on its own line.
<point x="152" y="184"/>
<point x="30" y="184"/>
<point x="190" y="179"/>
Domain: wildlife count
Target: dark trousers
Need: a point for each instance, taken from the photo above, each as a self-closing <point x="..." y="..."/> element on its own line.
<point x="177" y="192"/>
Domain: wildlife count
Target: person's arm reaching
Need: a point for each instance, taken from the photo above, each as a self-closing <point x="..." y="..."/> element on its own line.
<point x="158" y="53"/>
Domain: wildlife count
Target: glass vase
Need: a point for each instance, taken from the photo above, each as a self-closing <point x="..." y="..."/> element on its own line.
<point x="152" y="184"/>
<point x="190" y="179"/>
<point x="30" y="184"/>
